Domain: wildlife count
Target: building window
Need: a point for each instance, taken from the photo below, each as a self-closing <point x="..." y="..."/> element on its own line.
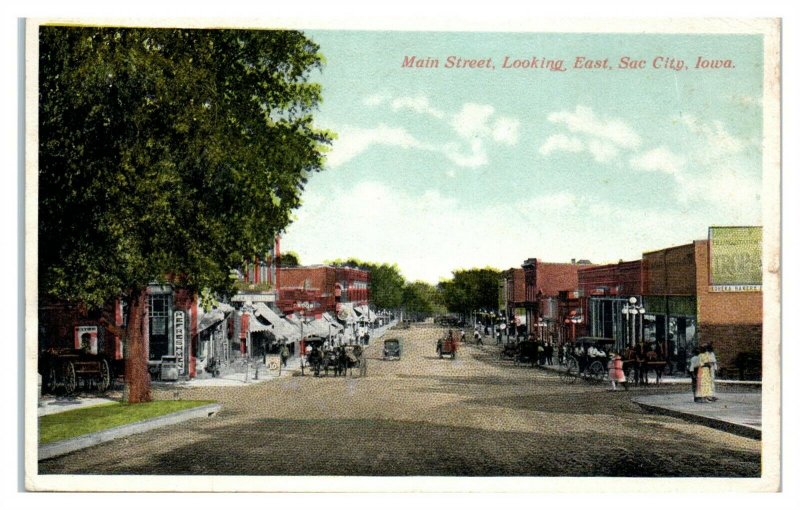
<point x="159" y="308"/>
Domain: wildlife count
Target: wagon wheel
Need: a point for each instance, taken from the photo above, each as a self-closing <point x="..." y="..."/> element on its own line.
<point x="51" y="381"/>
<point x="105" y="379"/>
<point x="70" y="378"/>
<point x="595" y="373"/>
<point x="570" y="373"/>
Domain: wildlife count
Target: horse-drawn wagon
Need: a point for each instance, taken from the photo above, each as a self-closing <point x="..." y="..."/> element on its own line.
<point x="66" y="369"/>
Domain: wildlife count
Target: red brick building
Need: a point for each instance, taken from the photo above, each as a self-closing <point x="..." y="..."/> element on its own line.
<point x="544" y="283"/>
<point x="170" y="329"/>
<point x="319" y="289"/>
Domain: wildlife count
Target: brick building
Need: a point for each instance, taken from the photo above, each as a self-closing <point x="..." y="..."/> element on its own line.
<point x="687" y="305"/>
<point x="170" y="328"/>
<point x="605" y="291"/>
<point x="321" y="288"/>
<point x="511" y="287"/>
<point x="544" y="281"/>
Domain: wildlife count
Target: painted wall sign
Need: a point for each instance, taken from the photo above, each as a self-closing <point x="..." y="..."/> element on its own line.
<point x="735" y="257"/>
<point x="180" y="340"/>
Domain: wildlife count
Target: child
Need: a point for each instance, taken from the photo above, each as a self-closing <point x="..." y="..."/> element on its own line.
<point x="615" y="372"/>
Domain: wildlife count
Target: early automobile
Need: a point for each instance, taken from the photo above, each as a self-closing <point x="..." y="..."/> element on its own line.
<point x="447" y="346"/>
<point x="391" y="349"/>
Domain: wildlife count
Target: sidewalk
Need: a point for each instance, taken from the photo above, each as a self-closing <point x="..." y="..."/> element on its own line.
<point x="737" y="413"/>
<point x="260" y="375"/>
<point x="52" y="405"/>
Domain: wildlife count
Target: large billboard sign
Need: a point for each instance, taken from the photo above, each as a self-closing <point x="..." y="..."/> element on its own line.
<point x="735" y="258"/>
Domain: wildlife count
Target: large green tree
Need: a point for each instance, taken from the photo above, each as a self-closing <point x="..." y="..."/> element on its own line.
<point x="422" y="298"/>
<point x="471" y="289"/>
<point x="167" y="155"/>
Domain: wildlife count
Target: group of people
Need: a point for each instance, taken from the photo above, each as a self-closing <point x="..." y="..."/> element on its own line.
<point x="703" y="368"/>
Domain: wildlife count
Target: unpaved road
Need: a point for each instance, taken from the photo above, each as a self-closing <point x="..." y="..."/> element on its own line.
<point x="475" y="415"/>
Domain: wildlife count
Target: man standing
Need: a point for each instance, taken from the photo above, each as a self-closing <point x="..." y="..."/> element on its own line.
<point x="284" y="354"/>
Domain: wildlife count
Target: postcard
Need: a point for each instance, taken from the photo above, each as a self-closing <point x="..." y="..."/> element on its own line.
<point x="464" y="257"/>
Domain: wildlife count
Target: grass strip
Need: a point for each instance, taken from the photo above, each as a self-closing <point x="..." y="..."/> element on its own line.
<point x="77" y="422"/>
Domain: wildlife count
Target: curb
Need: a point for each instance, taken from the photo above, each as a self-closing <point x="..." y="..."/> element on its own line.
<point x="65" y="446"/>
<point x="726" y="426"/>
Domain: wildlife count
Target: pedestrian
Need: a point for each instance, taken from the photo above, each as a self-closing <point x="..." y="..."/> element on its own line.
<point x="499" y="340"/>
<point x="548" y="353"/>
<point x="712" y="360"/>
<point x="284" y="354"/>
<point x="362" y="364"/>
<point x="705" y="377"/>
<point x="694" y="364"/>
<point x="615" y="372"/>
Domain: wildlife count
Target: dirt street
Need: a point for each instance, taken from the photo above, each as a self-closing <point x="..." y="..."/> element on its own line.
<point x="475" y="415"/>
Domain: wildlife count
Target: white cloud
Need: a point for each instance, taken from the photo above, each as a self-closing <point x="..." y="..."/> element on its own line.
<point x="376" y="99"/>
<point x="506" y="130"/>
<point x="660" y="159"/>
<point x="474" y="124"/>
<point x="419" y="104"/>
<point x="561" y="142"/>
<point x="472" y="120"/>
<point x="584" y="121"/>
<point x="716" y="138"/>
<point x="602" y="151"/>
<point x="475" y="157"/>
<point x="352" y="141"/>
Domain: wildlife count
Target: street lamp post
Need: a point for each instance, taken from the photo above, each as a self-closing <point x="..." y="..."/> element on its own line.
<point x="630" y="311"/>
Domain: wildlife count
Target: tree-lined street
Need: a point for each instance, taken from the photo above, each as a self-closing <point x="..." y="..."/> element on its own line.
<point x="475" y="415"/>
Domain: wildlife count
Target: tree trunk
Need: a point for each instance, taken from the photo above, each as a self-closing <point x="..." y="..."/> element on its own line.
<point x="137" y="377"/>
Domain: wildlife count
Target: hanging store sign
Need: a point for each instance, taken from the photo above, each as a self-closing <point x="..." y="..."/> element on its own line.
<point x="735" y="258"/>
<point x="180" y="339"/>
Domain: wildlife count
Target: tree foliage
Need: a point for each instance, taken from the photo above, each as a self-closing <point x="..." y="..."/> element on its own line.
<point x="471" y="289"/>
<point x="288" y="259"/>
<point x="422" y="298"/>
<point x="168" y="154"/>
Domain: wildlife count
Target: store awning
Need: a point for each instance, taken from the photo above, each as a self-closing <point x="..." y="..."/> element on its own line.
<point x="209" y="319"/>
<point x="254" y="326"/>
<point x="281" y="328"/>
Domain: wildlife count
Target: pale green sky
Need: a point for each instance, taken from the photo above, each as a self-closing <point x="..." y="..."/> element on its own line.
<point x="438" y="169"/>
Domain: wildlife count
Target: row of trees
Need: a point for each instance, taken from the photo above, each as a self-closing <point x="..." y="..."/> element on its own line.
<point x="466" y="291"/>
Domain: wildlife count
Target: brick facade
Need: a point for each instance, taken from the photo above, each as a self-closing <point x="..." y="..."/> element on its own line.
<point x="320" y="288"/>
<point x="732" y="321"/>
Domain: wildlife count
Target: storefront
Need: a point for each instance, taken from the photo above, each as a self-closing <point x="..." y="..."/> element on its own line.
<point x="171" y="330"/>
<point x="670" y="322"/>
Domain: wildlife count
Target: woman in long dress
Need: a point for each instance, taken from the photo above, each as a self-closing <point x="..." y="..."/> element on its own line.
<point x="705" y="376"/>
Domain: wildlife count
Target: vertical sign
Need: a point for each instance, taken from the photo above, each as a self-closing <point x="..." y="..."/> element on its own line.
<point x="180" y="339"/>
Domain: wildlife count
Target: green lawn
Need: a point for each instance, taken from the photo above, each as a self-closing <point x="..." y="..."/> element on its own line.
<point x="55" y="427"/>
